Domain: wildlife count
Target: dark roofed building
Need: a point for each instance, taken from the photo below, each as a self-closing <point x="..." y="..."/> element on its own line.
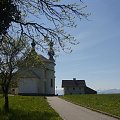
<point x="73" y="83"/>
<point x="76" y="87"/>
<point x="90" y="91"/>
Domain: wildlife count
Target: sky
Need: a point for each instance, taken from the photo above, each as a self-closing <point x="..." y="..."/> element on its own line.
<point x="97" y="58"/>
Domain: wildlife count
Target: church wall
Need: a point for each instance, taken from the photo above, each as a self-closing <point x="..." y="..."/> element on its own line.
<point x="46" y="75"/>
<point x="40" y="75"/>
<point x="28" y="85"/>
<point x="50" y="82"/>
<point x="50" y="66"/>
<point x="38" y="80"/>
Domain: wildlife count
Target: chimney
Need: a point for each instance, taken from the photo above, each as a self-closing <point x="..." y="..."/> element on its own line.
<point x="74" y="78"/>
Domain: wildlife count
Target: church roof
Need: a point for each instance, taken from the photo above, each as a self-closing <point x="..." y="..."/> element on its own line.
<point x="73" y="83"/>
<point x="44" y="58"/>
<point x="33" y="54"/>
<point x="34" y="59"/>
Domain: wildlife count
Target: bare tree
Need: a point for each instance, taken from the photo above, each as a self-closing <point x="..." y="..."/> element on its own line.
<point x="11" y="52"/>
<point x="36" y="18"/>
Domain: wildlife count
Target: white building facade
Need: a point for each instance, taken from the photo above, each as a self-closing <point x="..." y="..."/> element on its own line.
<point x="37" y="75"/>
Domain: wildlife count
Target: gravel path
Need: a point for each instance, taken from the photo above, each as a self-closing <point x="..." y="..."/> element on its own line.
<point x="69" y="111"/>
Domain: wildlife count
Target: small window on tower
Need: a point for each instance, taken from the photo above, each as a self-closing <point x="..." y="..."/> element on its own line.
<point x="51" y="82"/>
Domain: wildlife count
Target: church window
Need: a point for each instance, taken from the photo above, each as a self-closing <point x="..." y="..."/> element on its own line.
<point x="51" y="82"/>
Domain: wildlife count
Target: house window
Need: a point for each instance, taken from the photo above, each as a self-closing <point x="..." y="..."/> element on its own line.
<point x="51" y="82"/>
<point x="73" y="88"/>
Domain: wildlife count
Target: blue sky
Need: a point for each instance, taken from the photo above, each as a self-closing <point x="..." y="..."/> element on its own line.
<point x="97" y="58"/>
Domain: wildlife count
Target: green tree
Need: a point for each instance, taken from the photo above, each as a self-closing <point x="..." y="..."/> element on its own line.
<point x="36" y="18"/>
<point x="11" y="53"/>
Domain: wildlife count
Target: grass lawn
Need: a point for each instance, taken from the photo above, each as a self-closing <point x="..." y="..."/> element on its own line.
<point x="28" y="108"/>
<point x="108" y="103"/>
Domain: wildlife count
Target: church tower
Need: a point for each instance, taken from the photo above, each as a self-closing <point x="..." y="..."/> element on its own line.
<point x="51" y="52"/>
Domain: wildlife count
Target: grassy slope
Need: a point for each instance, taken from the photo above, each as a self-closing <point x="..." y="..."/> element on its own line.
<point x="28" y="108"/>
<point x="107" y="103"/>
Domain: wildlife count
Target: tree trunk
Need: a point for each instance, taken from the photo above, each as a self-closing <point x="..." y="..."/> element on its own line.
<point x="6" y="104"/>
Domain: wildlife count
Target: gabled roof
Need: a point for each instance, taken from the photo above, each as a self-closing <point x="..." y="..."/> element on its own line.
<point x="73" y="83"/>
<point x="34" y="59"/>
<point x="33" y="54"/>
<point x="42" y="58"/>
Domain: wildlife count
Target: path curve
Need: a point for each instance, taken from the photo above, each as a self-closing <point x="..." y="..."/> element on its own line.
<point x="69" y="111"/>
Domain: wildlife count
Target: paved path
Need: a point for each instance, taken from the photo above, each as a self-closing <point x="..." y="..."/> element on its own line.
<point x="69" y="111"/>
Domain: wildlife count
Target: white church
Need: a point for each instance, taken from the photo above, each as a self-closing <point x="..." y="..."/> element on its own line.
<point x="37" y="74"/>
